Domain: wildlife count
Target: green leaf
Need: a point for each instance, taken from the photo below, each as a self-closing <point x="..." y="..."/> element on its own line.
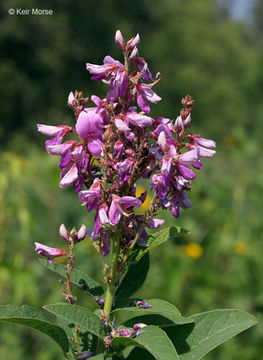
<point x="170" y="315"/>
<point x="80" y="316"/>
<point x="87" y="340"/>
<point x="78" y="278"/>
<point x="209" y="330"/>
<point x="154" y="340"/>
<point x="160" y="237"/>
<point x="35" y="319"/>
<point x="158" y="320"/>
<point x="134" y="278"/>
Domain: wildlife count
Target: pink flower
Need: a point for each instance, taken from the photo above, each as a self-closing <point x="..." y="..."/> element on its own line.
<point x="139" y="120"/>
<point x="89" y="123"/>
<point x="116" y="210"/>
<point x="145" y="93"/>
<point x="91" y="197"/>
<point x="70" y="176"/>
<point x="48" y="251"/>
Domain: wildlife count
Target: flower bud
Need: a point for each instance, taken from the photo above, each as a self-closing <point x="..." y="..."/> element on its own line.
<point x="144" y="304"/>
<point x="71" y="99"/>
<point x="118" y="149"/>
<point x="138" y="326"/>
<point x="133" y="42"/>
<point x="81" y="233"/>
<point x="134" y="53"/>
<point x="63" y="232"/>
<point x="119" y="39"/>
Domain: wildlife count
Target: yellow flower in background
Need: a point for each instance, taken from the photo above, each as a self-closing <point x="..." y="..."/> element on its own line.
<point x="139" y="191"/>
<point x="240" y="248"/>
<point x="193" y="250"/>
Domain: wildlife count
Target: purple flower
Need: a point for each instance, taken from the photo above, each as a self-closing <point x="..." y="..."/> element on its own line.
<point x="190" y="157"/>
<point x="139" y="120"/>
<point x="125" y="168"/>
<point x="124" y="332"/>
<point x="160" y="185"/>
<point x="116" y="210"/>
<point x="48" y="251"/>
<point x="166" y="168"/>
<point x="204" y="146"/>
<point x="71" y="176"/>
<point x="101" y="217"/>
<point x="177" y="200"/>
<point x="142" y="67"/>
<point x="155" y="223"/>
<point x="90" y="124"/>
<point x="119" y="82"/>
<point x="91" y="197"/>
<point x="100" y="72"/>
<point x="50" y="130"/>
<point x="144" y="304"/>
<point x="145" y="93"/>
<point x="60" y="149"/>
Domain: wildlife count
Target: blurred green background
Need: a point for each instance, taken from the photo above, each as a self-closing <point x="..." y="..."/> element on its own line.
<point x="212" y="50"/>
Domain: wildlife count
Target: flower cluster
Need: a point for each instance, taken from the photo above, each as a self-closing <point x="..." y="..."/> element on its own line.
<point x="116" y="143"/>
<point x="131" y="333"/>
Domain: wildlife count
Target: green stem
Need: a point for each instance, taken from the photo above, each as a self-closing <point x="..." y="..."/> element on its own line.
<point x="126" y="256"/>
<point x="111" y="287"/>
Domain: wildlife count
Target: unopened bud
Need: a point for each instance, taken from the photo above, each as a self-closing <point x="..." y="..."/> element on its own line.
<point x="134" y="53"/>
<point x="81" y="233"/>
<point x="133" y="42"/>
<point x="71" y="99"/>
<point x="119" y="39"/>
<point x="63" y="232"/>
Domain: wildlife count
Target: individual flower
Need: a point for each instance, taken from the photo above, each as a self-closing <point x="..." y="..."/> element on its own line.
<point x="204" y="146"/>
<point x="91" y="197"/>
<point x="59" y="132"/>
<point x="144" y="94"/>
<point x="90" y="126"/>
<point x="160" y="185"/>
<point x="48" y="252"/>
<point x="116" y="210"/>
<point x="144" y="304"/>
<point x="155" y="223"/>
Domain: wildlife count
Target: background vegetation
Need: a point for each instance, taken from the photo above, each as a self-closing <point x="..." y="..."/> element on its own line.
<point x="202" y="48"/>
